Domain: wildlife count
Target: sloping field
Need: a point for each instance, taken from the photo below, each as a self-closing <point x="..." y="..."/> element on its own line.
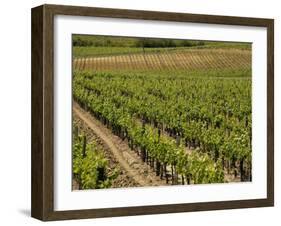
<point x="172" y="60"/>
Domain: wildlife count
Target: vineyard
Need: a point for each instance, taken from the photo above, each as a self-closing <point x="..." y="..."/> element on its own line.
<point x="185" y="113"/>
<point x="168" y="60"/>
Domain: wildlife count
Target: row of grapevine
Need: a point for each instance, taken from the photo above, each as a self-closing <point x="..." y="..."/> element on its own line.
<point x="157" y="149"/>
<point x="204" y="116"/>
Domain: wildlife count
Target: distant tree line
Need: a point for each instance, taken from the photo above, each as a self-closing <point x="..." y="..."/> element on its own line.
<point x="166" y="43"/>
<point x="88" y="42"/>
<point x="80" y="40"/>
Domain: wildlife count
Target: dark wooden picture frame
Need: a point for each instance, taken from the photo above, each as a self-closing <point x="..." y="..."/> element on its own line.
<point x="42" y="203"/>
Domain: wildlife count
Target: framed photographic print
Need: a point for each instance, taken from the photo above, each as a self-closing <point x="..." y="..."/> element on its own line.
<point x="141" y="112"/>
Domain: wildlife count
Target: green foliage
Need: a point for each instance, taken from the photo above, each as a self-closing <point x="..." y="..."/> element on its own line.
<point x="91" y="170"/>
<point x="108" y="41"/>
<point x="81" y="42"/>
<point x="166" y="43"/>
<point x="209" y="116"/>
<point x="102" y="41"/>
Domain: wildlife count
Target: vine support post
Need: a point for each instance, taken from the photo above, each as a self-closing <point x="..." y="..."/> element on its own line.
<point x="241" y="165"/>
<point x="84" y="146"/>
<point x="76" y="131"/>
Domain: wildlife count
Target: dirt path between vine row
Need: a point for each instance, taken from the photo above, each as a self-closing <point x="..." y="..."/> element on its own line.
<point x="139" y="171"/>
